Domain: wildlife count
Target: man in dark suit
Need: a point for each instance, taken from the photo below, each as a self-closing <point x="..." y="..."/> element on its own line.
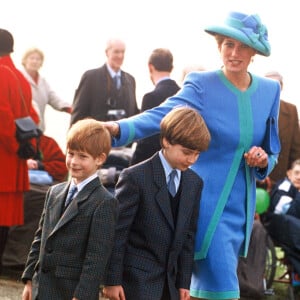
<point x="106" y="93"/>
<point x="154" y="247"/>
<point x="160" y="66"/>
<point x="289" y="133"/>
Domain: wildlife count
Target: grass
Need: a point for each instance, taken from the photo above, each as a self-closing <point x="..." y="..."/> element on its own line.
<point x="281" y="289"/>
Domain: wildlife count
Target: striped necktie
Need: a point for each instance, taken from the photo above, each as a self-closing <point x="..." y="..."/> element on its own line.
<point x="72" y="191"/>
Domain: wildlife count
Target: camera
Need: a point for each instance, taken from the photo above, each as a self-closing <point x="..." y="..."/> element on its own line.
<point x="115" y="114"/>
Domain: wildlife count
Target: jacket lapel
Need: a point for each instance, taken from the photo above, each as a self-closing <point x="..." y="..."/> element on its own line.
<point x="72" y="210"/>
<point x="162" y="196"/>
<point x="57" y="204"/>
<point x="162" y="199"/>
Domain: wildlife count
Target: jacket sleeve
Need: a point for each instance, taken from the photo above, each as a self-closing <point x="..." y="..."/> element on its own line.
<point x="33" y="256"/>
<point x="295" y="144"/>
<point x="128" y="197"/>
<point x="53" y="159"/>
<point x="81" y="100"/>
<point x="53" y="99"/>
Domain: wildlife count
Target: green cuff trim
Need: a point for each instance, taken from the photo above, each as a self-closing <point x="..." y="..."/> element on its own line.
<point x="215" y="295"/>
<point x="248" y="206"/>
<point x="131" y="133"/>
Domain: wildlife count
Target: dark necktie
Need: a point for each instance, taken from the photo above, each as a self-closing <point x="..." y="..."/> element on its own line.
<point x="71" y="193"/>
<point x="171" y="183"/>
<point x="117" y="81"/>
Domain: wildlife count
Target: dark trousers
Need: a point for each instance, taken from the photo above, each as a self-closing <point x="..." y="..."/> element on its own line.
<point x="166" y="293"/>
<point x="20" y="237"/>
<point x="3" y="239"/>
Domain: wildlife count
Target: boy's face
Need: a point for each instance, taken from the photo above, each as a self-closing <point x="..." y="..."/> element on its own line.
<point x="82" y="165"/>
<point x="294" y="176"/>
<point x="178" y="156"/>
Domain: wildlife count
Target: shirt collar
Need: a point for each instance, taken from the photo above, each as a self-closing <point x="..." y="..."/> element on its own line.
<point x="111" y="72"/>
<point x="163" y="78"/>
<point x="167" y="168"/>
<point x="82" y="184"/>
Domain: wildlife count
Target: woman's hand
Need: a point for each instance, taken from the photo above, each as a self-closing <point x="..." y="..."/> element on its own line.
<point x="256" y="157"/>
<point x="113" y="128"/>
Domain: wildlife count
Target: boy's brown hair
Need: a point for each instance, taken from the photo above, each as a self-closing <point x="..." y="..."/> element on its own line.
<point x="185" y="126"/>
<point x="89" y="135"/>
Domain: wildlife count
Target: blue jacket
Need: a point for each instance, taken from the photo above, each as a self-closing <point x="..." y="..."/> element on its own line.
<point x="236" y="121"/>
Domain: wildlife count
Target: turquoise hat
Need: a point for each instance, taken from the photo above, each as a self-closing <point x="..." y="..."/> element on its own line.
<point x="247" y="29"/>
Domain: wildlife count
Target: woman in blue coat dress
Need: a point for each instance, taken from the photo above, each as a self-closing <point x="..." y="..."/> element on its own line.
<point x="236" y="106"/>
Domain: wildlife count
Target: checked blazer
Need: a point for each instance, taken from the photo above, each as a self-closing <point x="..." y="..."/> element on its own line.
<point x="151" y="248"/>
<point x="70" y="251"/>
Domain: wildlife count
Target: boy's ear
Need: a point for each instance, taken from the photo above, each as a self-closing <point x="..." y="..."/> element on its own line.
<point x="165" y="143"/>
<point x="100" y="159"/>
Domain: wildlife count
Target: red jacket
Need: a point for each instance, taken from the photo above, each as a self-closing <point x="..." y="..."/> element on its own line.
<point x="53" y="160"/>
<point x="14" y="172"/>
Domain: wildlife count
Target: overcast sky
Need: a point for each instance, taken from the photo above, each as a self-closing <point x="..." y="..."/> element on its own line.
<point x="72" y="35"/>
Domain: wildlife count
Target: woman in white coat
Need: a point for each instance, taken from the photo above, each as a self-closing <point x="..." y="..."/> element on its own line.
<point x="42" y="93"/>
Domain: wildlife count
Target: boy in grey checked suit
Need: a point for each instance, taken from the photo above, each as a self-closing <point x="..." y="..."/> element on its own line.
<point x="73" y="243"/>
<point x="153" y="253"/>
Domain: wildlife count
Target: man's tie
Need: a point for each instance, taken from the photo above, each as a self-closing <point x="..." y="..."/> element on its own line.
<point x="72" y="191"/>
<point x="117" y="81"/>
<point x="171" y="183"/>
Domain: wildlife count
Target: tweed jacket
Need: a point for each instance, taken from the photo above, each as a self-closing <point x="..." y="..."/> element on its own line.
<point x="70" y="251"/>
<point x="150" y="248"/>
<point x="95" y="93"/>
<point x="148" y="146"/>
<point x="289" y="134"/>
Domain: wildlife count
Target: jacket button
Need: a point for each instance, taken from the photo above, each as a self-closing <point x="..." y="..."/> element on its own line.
<point x="49" y="250"/>
<point x="44" y="270"/>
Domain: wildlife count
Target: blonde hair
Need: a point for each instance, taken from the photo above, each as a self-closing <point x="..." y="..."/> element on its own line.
<point x="89" y="135"/>
<point x="186" y="127"/>
<point x="31" y="51"/>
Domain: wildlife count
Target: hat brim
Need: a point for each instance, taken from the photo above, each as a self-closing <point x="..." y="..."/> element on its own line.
<point x="237" y="35"/>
